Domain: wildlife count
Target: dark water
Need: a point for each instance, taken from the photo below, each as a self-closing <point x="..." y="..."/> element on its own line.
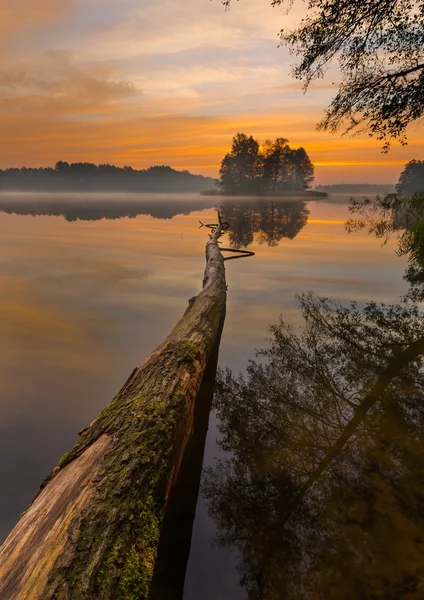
<point x="89" y="286"/>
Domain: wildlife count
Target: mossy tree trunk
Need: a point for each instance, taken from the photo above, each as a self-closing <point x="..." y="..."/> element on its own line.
<point x="92" y="531"/>
<point x="177" y="527"/>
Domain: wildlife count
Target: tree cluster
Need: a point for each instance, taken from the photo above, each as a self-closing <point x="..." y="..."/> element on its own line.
<point x="253" y="169"/>
<point x="411" y="179"/>
<point x="88" y="176"/>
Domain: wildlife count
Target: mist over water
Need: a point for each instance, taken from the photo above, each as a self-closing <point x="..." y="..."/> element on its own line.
<point x="92" y="283"/>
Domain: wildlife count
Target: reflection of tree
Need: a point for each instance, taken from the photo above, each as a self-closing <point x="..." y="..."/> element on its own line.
<point x="322" y="491"/>
<point x="404" y="217"/>
<point x="94" y="210"/>
<point x="267" y="221"/>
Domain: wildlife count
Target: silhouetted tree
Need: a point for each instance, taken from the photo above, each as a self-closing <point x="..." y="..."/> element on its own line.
<point x="275" y="158"/>
<point x="321" y="488"/>
<point x="62" y="167"/>
<point x="379" y="44"/>
<point x="411" y="179"/>
<point x="302" y="171"/>
<point x="228" y="175"/>
<point x="239" y="169"/>
<point x="251" y="169"/>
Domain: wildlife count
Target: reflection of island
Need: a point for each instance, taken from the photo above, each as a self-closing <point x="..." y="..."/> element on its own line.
<point x="321" y="490"/>
<point x="264" y="220"/>
<point x="94" y="209"/>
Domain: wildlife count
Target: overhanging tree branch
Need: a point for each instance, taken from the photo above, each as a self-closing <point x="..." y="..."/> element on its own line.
<point x="379" y="45"/>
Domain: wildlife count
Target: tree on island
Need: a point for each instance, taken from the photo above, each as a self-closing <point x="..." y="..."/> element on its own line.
<point x="379" y="46"/>
<point x="240" y="168"/>
<point x="253" y="169"/>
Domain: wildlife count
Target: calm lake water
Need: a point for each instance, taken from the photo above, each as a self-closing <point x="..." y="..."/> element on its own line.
<point x="91" y="284"/>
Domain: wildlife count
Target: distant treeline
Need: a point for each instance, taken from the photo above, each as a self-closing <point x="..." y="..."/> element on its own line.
<point x="357" y="188"/>
<point x="411" y="180"/>
<point x="88" y="176"/>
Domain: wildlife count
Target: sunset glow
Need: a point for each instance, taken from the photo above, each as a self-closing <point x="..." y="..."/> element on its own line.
<point x="138" y="83"/>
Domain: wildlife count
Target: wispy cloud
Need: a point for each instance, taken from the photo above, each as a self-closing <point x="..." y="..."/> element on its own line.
<point x="54" y="77"/>
<point x="18" y="17"/>
<point x="143" y="83"/>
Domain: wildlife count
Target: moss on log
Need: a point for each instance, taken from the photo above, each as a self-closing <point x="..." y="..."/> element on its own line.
<point x="92" y="531"/>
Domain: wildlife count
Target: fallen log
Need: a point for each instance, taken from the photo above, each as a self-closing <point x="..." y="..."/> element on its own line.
<point x="92" y="531"/>
<point x="177" y="526"/>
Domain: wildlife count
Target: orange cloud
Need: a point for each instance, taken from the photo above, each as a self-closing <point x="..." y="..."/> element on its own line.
<point x="60" y="86"/>
<point x="133" y="89"/>
<point x="18" y="16"/>
<point x="132" y="132"/>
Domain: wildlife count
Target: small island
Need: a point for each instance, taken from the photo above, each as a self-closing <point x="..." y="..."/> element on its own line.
<point x="268" y="169"/>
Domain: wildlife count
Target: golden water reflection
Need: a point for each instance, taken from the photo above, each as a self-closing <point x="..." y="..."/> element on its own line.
<point x="84" y="302"/>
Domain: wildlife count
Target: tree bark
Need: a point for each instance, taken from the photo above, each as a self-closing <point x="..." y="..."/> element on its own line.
<point x="177" y="527"/>
<point x="92" y="531"/>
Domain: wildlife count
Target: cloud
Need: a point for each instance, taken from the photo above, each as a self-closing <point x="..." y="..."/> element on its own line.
<point x="172" y="27"/>
<point x="19" y="16"/>
<point x="58" y="80"/>
<point x="142" y="133"/>
<point x="170" y="83"/>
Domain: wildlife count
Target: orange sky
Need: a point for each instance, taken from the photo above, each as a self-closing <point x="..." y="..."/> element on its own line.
<point x="139" y="83"/>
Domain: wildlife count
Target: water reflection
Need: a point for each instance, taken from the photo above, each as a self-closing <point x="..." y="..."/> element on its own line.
<point x="82" y="303"/>
<point x="321" y="492"/>
<point x="263" y="220"/>
<point x="404" y="217"/>
<point x="93" y="207"/>
<point x="251" y="219"/>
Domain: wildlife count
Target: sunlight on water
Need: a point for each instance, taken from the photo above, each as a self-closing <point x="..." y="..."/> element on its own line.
<point x="89" y="286"/>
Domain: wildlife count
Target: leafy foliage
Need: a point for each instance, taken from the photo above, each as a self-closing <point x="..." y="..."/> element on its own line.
<point x="411" y="179"/>
<point x="251" y="169"/>
<point x="379" y="46"/>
